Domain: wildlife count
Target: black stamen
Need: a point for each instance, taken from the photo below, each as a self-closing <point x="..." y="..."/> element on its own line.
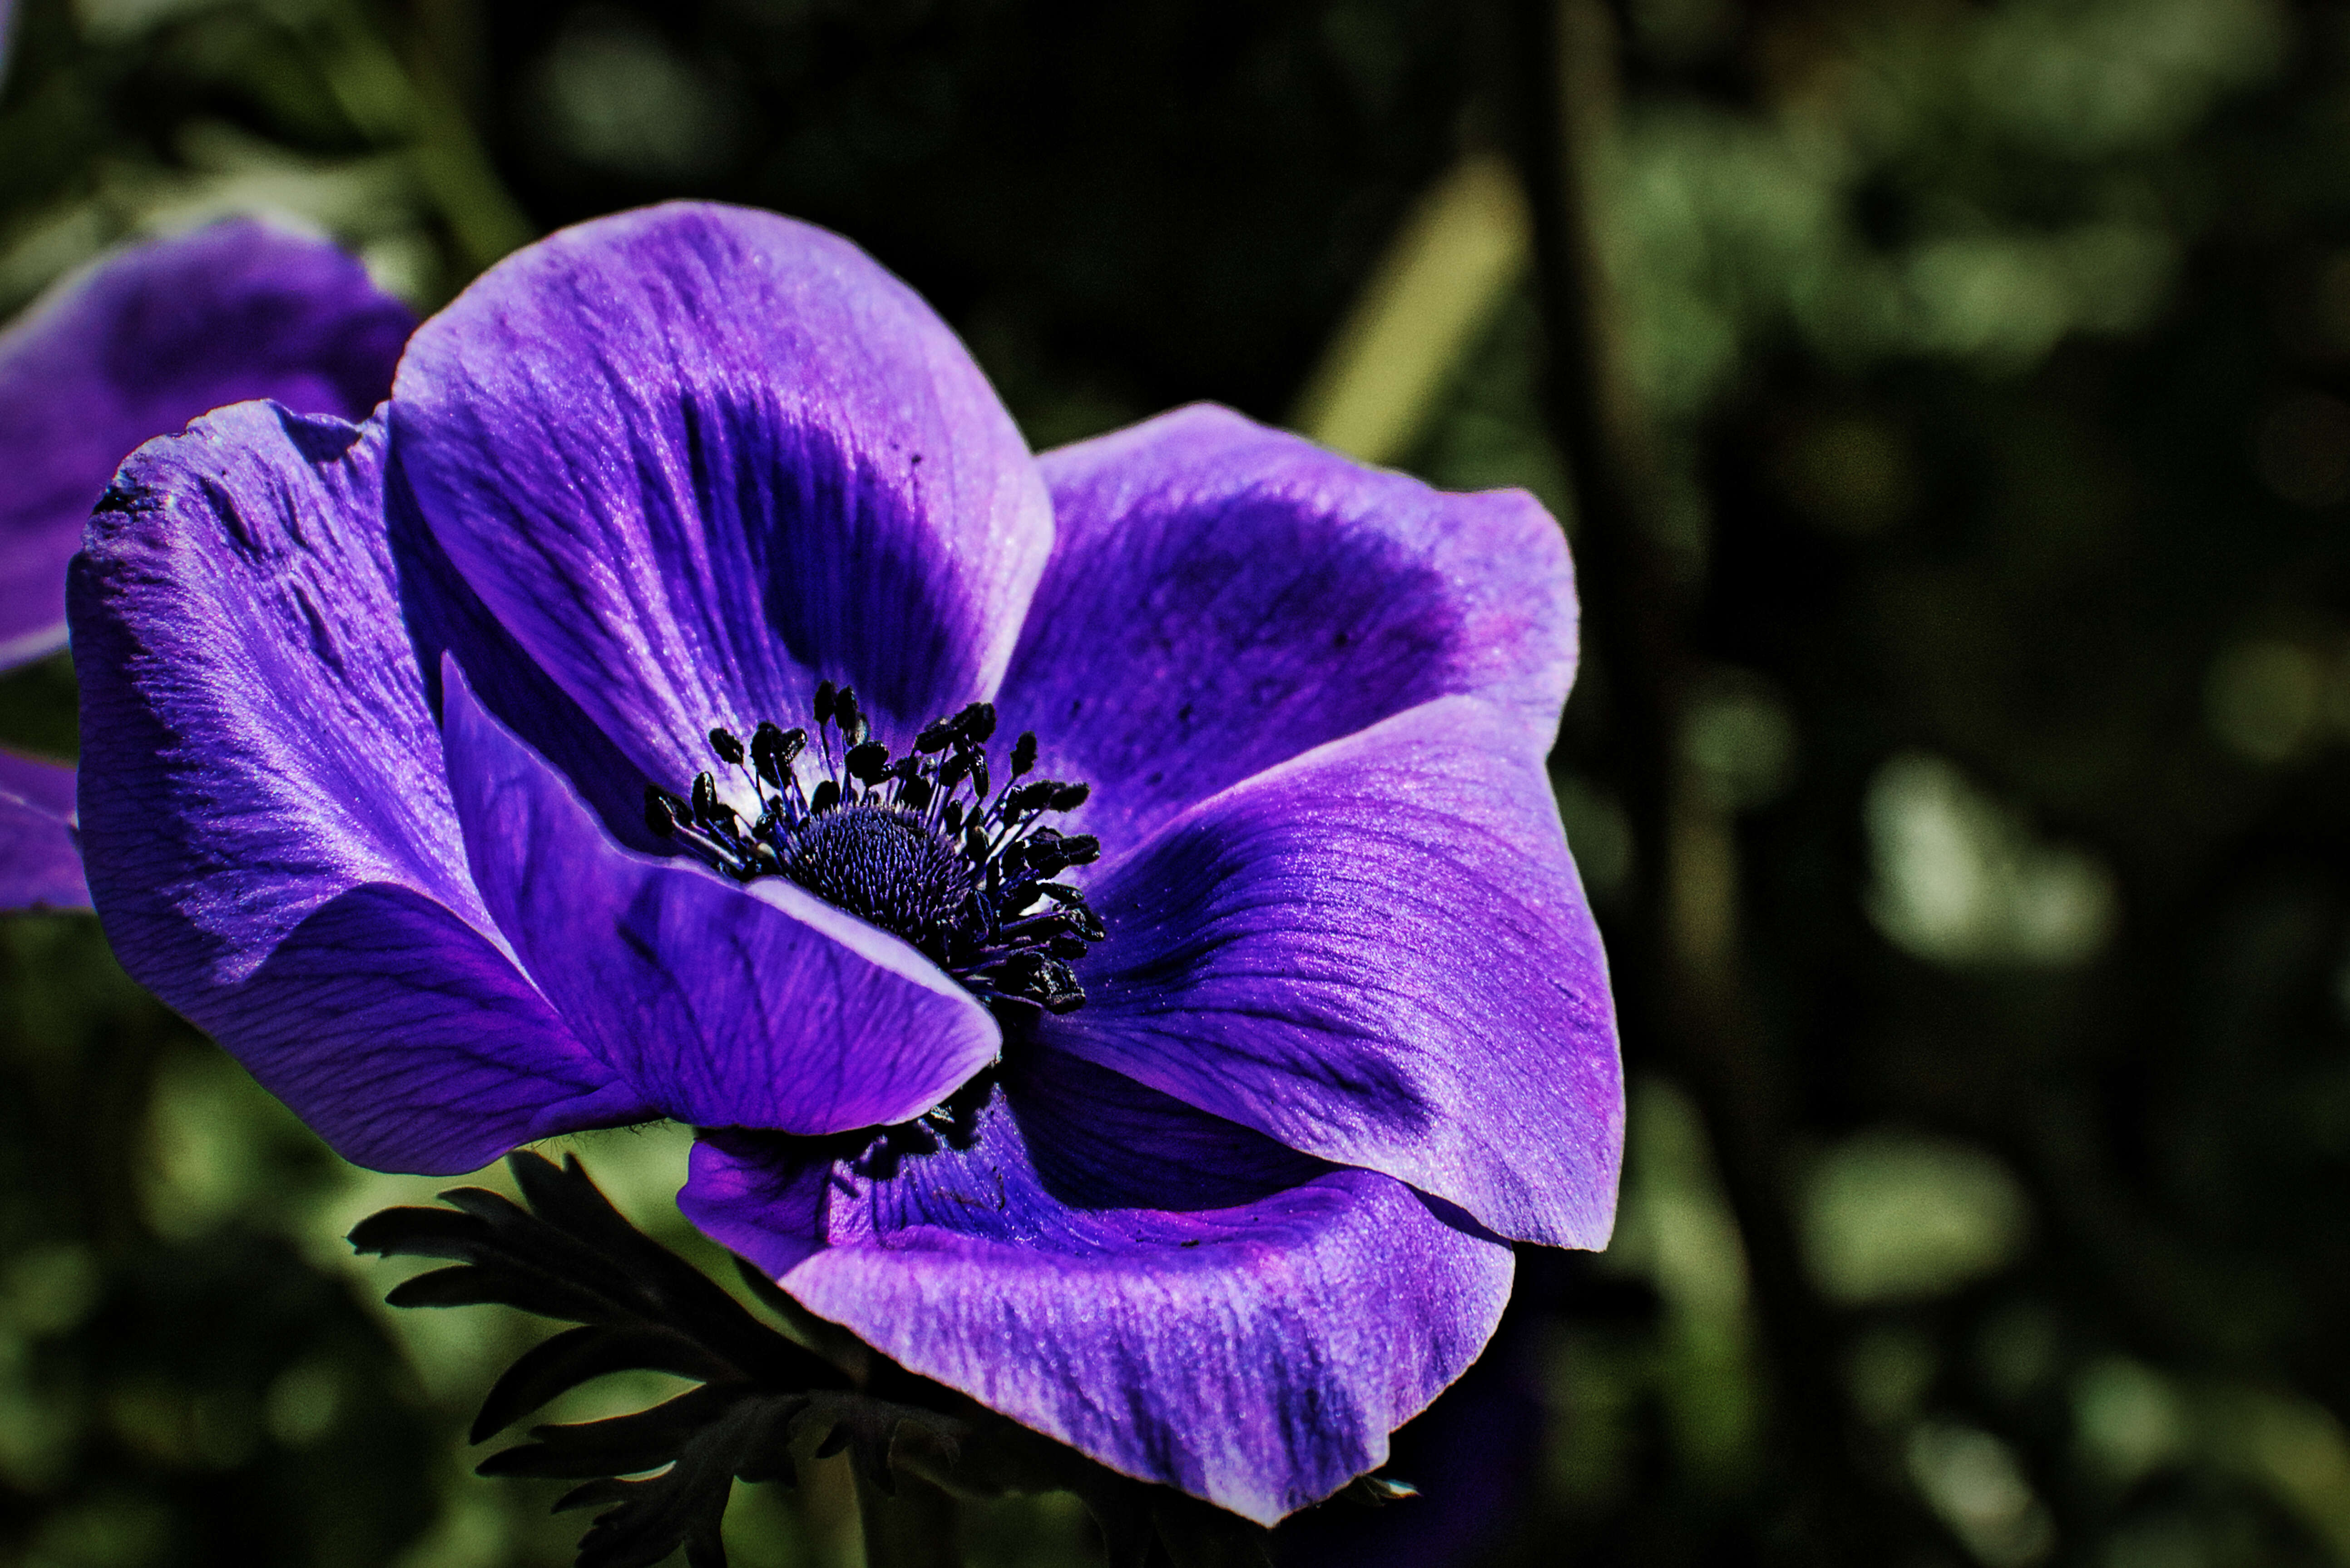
<point x="773" y="749"/>
<point x="911" y="844"/>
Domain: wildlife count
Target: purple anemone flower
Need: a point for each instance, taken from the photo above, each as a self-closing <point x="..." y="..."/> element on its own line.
<point x="609" y="729"/>
<point x="132" y="346"/>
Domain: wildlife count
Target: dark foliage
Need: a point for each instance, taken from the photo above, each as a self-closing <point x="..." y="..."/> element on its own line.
<point x="570" y="1256"/>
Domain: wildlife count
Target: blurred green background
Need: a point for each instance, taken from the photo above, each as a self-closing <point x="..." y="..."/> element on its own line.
<point x="1980" y="370"/>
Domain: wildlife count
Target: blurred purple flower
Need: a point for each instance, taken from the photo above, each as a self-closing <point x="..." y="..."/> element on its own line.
<point x="135" y="346"/>
<point x="414" y="769"/>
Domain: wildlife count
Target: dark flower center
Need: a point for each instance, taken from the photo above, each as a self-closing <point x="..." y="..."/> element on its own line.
<point x="884" y="864"/>
<point x="915" y="846"/>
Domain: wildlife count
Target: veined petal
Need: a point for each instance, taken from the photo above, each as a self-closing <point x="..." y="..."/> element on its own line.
<point x="265" y="815"/>
<point x="1223" y="596"/>
<point x="1380" y="953"/>
<point x="407" y="1040"/>
<point x="1177" y="1297"/>
<point x="40" y="864"/>
<point x="696" y="457"/>
<point x="447" y="622"/>
<point x="145" y="340"/>
<point x="727" y="1005"/>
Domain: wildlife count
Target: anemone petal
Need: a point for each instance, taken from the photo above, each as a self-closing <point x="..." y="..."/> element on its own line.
<point x="696" y="457"/>
<point x="726" y="1005"/>
<point x="1177" y="1297"/>
<point x="1379" y="952"/>
<point x="264" y="815"/>
<point x="40" y="864"/>
<point x="145" y="340"/>
<point x="1223" y="596"/>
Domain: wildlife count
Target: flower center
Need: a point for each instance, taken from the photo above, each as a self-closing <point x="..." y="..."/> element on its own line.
<point x="915" y="846"/>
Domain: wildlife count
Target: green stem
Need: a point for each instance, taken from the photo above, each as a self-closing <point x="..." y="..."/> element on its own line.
<point x="914" y="1527"/>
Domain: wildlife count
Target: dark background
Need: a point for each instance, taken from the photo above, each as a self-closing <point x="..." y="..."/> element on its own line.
<point x="1946" y="401"/>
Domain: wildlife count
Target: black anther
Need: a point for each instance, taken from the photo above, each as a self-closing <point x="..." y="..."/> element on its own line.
<point x="976" y="721"/>
<point x="773" y="751"/>
<point x="729" y="749"/>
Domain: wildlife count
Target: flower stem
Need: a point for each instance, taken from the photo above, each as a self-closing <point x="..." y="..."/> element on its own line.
<point x="913" y="1528"/>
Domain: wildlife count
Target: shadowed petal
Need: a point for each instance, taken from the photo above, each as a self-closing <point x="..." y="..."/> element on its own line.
<point x="1175" y="1296"/>
<point x="265" y="816"/>
<point x="40" y="864"/>
<point x="1378" y="953"/>
<point x="728" y="1005"/>
<point x="448" y="622"/>
<point x="409" y="1042"/>
<point x="697" y="457"/>
<point x="145" y="340"/>
<point x="1223" y="596"/>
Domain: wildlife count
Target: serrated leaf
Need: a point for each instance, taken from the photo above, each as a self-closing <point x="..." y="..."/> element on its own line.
<point x="418" y="1232"/>
<point x="623" y="1445"/>
<point x="685" y="1504"/>
<point x="578" y="1355"/>
<point x="494" y="1284"/>
<point x="570" y="1256"/>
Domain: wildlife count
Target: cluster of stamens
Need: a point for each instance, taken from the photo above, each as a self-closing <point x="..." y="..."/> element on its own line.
<point x="920" y="845"/>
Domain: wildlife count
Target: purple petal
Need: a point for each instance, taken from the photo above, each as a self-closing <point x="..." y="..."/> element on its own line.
<point x="145" y="340"/>
<point x="1177" y="1297"/>
<point x="40" y="864"/>
<point x="264" y="815"/>
<point x="696" y="457"/>
<point x="447" y="621"/>
<point x="409" y="1042"/>
<point x="1224" y="597"/>
<point x="1378" y="953"/>
<point x="730" y="1005"/>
